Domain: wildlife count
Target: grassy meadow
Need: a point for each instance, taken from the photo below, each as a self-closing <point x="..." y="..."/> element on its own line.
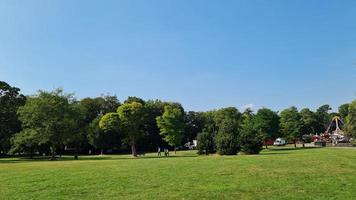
<point x="285" y="173"/>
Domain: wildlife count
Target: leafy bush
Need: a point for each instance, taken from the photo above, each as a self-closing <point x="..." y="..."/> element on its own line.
<point x="251" y="139"/>
<point x="227" y="143"/>
<point x="228" y="122"/>
<point x="205" y="142"/>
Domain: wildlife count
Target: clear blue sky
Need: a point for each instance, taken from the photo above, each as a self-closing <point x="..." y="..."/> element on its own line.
<point x="204" y="54"/>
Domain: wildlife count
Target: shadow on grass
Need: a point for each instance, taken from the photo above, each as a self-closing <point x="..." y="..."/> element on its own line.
<point x="86" y="158"/>
<point x="42" y="159"/>
<point x="290" y="148"/>
<point x="285" y="150"/>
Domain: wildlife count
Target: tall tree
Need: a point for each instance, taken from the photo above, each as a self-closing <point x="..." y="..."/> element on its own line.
<point x="96" y="135"/>
<point x="108" y="134"/>
<point x="94" y="107"/>
<point x="251" y="137"/>
<point x="290" y="124"/>
<point x="171" y="125"/>
<point x="10" y="101"/>
<point x="206" y="138"/>
<point x="194" y="123"/>
<point x="152" y="138"/>
<point x="78" y="128"/>
<point x="228" y="121"/>
<point x="351" y="120"/>
<point x="324" y="118"/>
<point x="131" y="116"/>
<point x="51" y="115"/>
<point x="91" y="109"/>
<point x="309" y="121"/>
<point x="110" y="104"/>
<point x="267" y="122"/>
<point x="344" y="110"/>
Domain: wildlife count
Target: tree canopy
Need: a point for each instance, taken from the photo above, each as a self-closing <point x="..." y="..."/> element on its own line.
<point x="267" y="122"/>
<point x="291" y="124"/>
<point x="171" y="125"/>
<point x="351" y="120"/>
<point x="131" y="116"/>
<point x="55" y="122"/>
<point x="51" y="116"/>
<point x="10" y="101"/>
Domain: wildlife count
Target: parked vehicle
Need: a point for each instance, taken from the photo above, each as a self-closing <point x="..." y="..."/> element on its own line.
<point x="279" y="142"/>
<point x="191" y="145"/>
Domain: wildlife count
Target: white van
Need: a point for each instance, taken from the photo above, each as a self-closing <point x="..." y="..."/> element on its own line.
<point x="279" y="142"/>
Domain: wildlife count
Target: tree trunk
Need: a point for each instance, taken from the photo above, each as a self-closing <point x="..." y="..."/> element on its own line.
<point x="133" y="150"/>
<point x="303" y="145"/>
<point x="76" y="154"/>
<point x="53" y="151"/>
<point x="175" y="150"/>
<point x="101" y="151"/>
<point x="60" y="152"/>
<point x="295" y="144"/>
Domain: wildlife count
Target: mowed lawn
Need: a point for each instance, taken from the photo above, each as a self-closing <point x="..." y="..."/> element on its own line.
<point x="316" y="173"/>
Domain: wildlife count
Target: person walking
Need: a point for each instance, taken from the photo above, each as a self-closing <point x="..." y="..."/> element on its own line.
<point x="166" y="152"/>
<point x="159" y="151"/>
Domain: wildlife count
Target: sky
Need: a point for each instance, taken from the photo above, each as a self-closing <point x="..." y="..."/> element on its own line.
<point x="205" y="54"/>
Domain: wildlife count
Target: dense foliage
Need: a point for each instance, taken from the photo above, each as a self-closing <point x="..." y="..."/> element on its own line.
<point x="291" y="124"/>
<point x="55" y="123"/>
<point x="251" y="137"/>
<point x="10" y="101"/>
<point x="171" y="125"/>
<point x="351" y="120"/>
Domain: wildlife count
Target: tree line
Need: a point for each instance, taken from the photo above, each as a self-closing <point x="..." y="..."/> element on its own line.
<point x="55" y="122"/>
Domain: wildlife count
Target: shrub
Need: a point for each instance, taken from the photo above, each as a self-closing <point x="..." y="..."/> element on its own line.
<point x="251" y="138"/>
<point x="205" y="142"/>
<point x="226" y="143"/>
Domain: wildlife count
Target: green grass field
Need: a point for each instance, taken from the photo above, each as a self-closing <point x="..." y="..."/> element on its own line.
<point x="317" y="173"/>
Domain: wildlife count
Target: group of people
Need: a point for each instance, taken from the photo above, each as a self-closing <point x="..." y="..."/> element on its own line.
<point x="166" y="152"/>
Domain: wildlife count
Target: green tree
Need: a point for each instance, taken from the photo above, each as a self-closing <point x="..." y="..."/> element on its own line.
<point x="248" y="112"/>
<point x="134" y="99"/>
<point x="96" y="136"/>
<point x="25" y="141"/>
<point x="251" y="137"/>
<point x="344" y="110"/>
<point x="290" y="124"/>
<point x="132" y="117"/>
<point x="108" y="134"/>
<point x="206" y="138"/>
<point x="110" y="122"/>
<point x="228" y="122"/>
<point x="171" y="125"/>
<point x="309" y="121"/>
<point x="91" y="109"/>
<point x="51" y="115"/>
<point x="152" y="138"/>
<point x="194" y="123"/>
<point x="77" y="137"/>
<point x="110" y="104"/>
<point x="205" y="142"/>
<point x="267" y="122"/>
<point x="350" y="122"/>
<point x="323" y="117"/>
<point x="10" y="101"/>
